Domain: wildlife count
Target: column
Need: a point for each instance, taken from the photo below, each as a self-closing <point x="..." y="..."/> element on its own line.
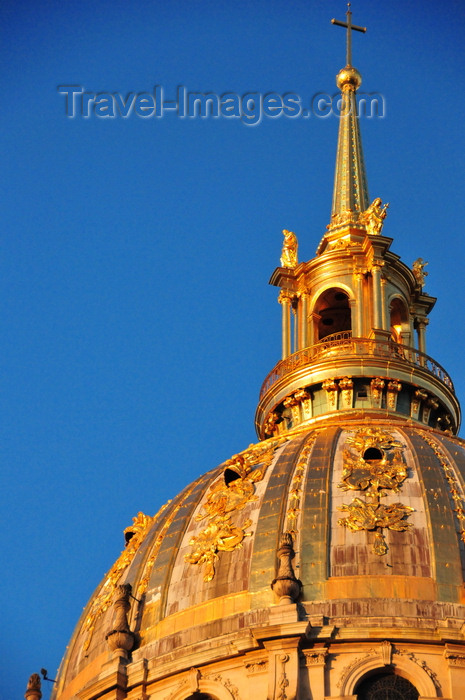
<point x="315" y="660"/>
<point x="421" y="331"/>
<point x="315" y="319"/>
<point x="359" y="320"/>
<point x="377" y="314"/>
<point x="384" y="315"/>
<point x="304" y="320"/>
<point x="285" y="301"/>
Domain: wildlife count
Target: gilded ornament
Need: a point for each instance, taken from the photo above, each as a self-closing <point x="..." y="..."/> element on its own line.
<point x="271" y="423"/>
<point x="375" y="472"/>
<point x="331" y="387"/>
<point x="393" y="389"/>
<point x="343" y="218"/>
<point x="373" y="217"/>
<point x="220" y="535"/>
<point x="418" y="269"/>
<point x="289" y="251"/>
<point x="285" y="296"/>
<point x="453" y="483"/>
<point x="369" y="516"/>
<point x="295" y="492"/>
<point x="224" y="500"/>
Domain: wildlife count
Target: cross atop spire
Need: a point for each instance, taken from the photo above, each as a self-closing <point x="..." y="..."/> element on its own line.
<point x="350" y="27"/>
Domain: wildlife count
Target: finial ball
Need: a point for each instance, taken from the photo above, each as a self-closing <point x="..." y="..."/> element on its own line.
<point x="348" y="76"/>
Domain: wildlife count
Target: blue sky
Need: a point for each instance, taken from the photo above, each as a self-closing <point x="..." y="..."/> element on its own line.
<point x="137" y="322"/>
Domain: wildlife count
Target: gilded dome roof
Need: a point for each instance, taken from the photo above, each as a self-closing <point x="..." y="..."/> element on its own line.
<point x="370" y="505"/>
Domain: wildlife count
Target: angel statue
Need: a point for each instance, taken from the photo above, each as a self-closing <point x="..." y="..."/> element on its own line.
<point x="374" y="216"/>
<point x="418" y="269"/>
<point x="289" y="252"/>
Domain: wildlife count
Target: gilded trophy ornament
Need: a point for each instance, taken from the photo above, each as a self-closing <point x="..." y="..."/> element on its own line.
<point x="374" y="463"/>
<point x="230" y="493"/>
<point x="289" y="251"/>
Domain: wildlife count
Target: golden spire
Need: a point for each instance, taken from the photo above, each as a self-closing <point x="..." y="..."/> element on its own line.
<point x="350" y="183"/>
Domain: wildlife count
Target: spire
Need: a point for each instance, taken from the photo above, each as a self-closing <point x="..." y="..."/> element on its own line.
<point x="350" y="182"/>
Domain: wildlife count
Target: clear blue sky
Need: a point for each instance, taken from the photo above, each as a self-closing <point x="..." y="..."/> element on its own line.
<point x="136" y="319"/>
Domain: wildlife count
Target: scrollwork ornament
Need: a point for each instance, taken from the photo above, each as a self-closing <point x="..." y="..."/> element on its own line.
<point x="224" y="500"/>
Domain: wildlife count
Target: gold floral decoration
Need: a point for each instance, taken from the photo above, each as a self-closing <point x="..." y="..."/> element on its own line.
<point x="230" y="493"/>
<point x="295" y="493"/>
<point x="373" y="463"/>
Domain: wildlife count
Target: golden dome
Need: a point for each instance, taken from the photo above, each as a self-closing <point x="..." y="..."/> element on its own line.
<point x="377" y="547"/>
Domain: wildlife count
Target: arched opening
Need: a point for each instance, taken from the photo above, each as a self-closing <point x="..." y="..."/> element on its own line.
<point x="332" y="312"/>
<point x="199" y="696"/>
<point x="386" y="686"/>
<point x="399" y="323"/>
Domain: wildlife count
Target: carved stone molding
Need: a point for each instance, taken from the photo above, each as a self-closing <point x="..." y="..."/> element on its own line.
<point x="455" y="658"/>
<point x="211" y="684"/>
<point x="421" y="663"/>
<point x="402" y="660"/>
<point x="255" y="666"/>
<point x="315" y="657"/>
<point x="283" y="682"/>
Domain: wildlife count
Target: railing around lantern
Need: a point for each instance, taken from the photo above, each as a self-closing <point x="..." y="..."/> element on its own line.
<point x="342" y="344"/>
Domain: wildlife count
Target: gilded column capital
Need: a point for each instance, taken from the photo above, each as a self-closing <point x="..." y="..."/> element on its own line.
<point x="285" y="297"/>
<point x="421" y="322"/>
<point x="376" y="266"/>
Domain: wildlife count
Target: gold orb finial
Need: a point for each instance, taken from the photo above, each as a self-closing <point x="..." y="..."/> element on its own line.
<point x="348" y="76"/>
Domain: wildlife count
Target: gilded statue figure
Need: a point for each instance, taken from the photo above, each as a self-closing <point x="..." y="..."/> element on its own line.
<point x="418" y="269"/>
<point x="289" y="252"/>
<point x="374" y="216"/>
